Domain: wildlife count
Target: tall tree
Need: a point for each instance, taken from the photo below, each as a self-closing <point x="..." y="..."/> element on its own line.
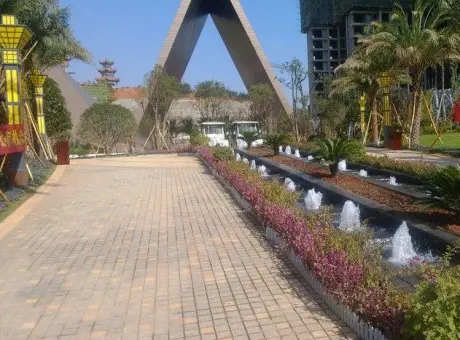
<point x="294" y="75"/>
<point x="262" y="101"/>
<point x="419" y="40"/>
<point x="185" y="88"/>
<point x="160" y="89"/>
<point x="212" y="99"/>
<point x="333" y="109"/>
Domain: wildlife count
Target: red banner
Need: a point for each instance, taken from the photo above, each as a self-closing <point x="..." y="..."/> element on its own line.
<point x="12" y="139"/>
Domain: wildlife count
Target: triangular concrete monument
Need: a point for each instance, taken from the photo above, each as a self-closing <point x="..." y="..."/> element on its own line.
<point x="237" y="34"/>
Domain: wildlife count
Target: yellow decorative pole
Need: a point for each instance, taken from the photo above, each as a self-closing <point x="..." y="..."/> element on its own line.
<point x="385" y="82"/>
<point x="38" y="80"/>
<point x="362" y="109"/>
<point x="13" y="38"/>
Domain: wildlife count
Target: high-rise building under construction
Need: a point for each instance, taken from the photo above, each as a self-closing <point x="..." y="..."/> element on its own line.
<point x="332" y="27"/>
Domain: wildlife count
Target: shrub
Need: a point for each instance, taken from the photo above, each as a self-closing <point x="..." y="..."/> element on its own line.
<point x="57" y="116"/>
<point x="334" y="150"/>
<point x="249" y="137"/>
<point x="275" y="140"/>
<point x="222" y="154"/>
<point x="427" y="130"/>
<point x="444" y="190"/>
<point x="79" y="151"/>
<point x="199" y="140"/>
<point x="434" y="309"/>
<point x="107" y="125"/>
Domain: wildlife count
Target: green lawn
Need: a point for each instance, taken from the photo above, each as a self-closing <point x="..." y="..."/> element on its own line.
<point x="451" y="140"/>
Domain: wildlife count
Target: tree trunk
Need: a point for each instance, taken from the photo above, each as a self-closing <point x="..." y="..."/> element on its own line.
<point x="375" y="122"/>
<point x="417" y="114"/>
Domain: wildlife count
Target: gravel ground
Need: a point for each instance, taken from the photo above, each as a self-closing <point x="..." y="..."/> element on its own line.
<point x="40" y="174"/>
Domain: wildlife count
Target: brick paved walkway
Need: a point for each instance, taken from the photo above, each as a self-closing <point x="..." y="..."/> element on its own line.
<point x="148" y="248"/>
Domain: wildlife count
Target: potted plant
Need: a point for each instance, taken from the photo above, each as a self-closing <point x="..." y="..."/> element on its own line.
<point x="275" y="140"/>
<point x="334" y="150"/>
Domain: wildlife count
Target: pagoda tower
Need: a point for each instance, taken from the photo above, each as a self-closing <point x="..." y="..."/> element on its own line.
<point x="107" y="73"/>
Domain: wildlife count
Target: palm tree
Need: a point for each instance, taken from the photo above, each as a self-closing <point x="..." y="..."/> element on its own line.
<point x="249" y="137"/>
<point x="360" y="73"/>
<point x="419" y="40"/>
<point x="335" y="150"/>
<point x="452" y="8"/>
<point x="275" y="140"/>
<point x="53" y="41"/>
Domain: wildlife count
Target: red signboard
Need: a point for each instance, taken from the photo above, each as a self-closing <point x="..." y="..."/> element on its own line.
<point x="12" y="139"/>
<point x="457" y="113"/>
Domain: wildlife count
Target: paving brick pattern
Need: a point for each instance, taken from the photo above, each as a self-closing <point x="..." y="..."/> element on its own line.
<point x="149" y="248"/>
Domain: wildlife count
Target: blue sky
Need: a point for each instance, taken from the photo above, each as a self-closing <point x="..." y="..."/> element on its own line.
<point x="136" y="44"/>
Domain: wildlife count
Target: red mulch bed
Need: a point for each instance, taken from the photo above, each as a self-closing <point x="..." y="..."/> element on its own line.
<point x="392" y="199"/>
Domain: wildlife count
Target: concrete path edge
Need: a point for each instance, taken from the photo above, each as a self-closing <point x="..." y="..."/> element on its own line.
<point x="26" y="207"/>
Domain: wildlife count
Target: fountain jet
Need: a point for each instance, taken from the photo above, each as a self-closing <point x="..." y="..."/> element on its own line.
<point x="313" y="200"/>
<point x="350" y="219"/>
<point x="342" y="165"/>
<point x="402" y="247"/>
<point x="362" y="173"/>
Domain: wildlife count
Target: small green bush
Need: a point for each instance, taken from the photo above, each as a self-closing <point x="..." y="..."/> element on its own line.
<point x="199" y="140"/>
<point x="222" y="154"/>
<point x="434" y="309"/>
<point x="427" y="130"/>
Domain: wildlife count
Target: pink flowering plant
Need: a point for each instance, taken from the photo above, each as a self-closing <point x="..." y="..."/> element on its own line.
<point x="349" y="270"/>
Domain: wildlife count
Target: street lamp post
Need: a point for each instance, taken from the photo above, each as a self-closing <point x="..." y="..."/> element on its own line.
<point x="13" y="38"/>
<point x="385" y="82"/>
<point x="362" y="108"/>
<point x="38" y="80"/>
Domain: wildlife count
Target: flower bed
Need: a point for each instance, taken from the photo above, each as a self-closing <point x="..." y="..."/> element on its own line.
<point x="397" y="201"/>
<point x="348" y="270"/>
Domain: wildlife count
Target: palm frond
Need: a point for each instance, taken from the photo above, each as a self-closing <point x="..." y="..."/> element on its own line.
<point x="444" y="190"/>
